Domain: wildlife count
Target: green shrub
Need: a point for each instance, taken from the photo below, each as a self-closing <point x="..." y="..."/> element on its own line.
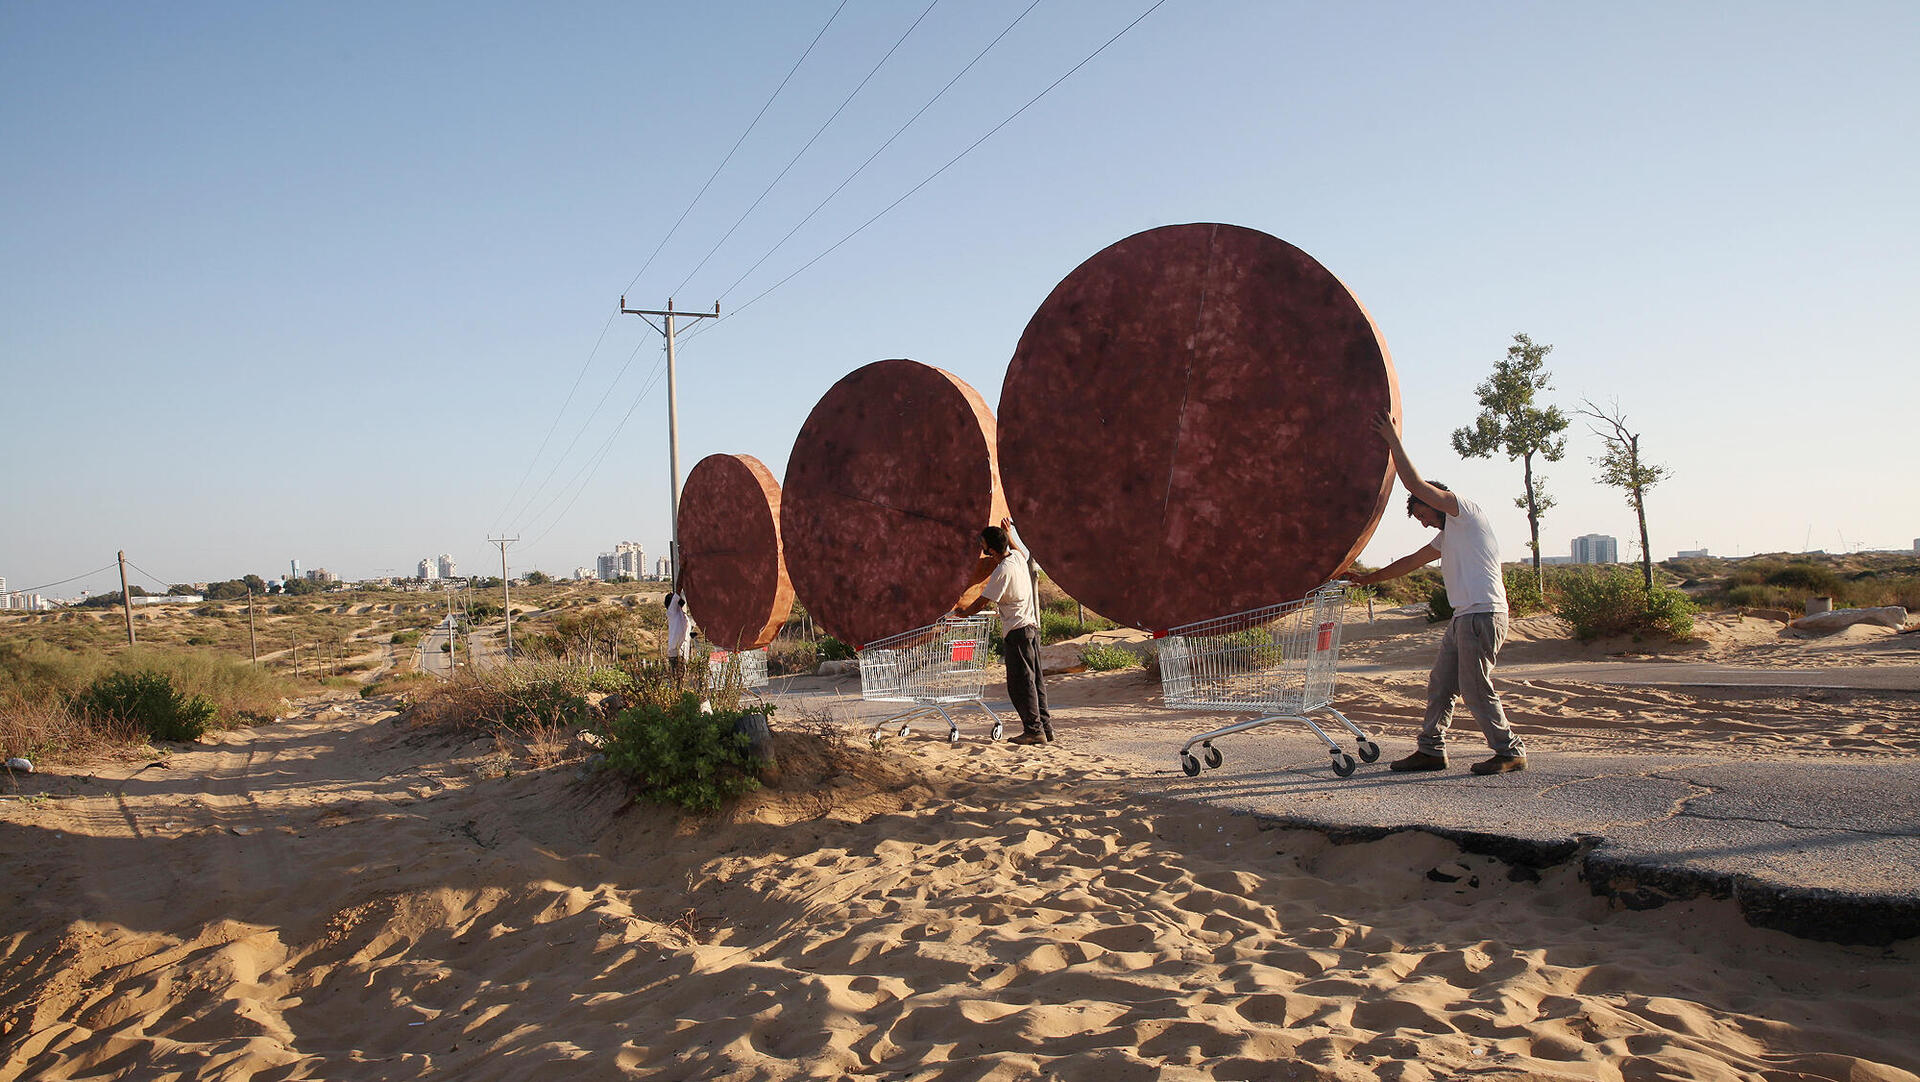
<point x="1058" y="626"/>
<point x="1105" y="657"/>
<point x="148" y="699"/>
<point x="1809" y="577"/>
<point x="832" y="649"/>
<point x="1523" y="590"/>
<point x="1614" y="602"/>
<point x="405" y="638"/>
<point x="682" y="755"/>
<point x="786" y="656"/>
<point x="1439" y="608"/>
<point x="608" y="681"/>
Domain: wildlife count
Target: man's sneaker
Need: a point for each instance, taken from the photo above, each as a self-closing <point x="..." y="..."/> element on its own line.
<point x="1501" y="764"/>
<point x="1420" y="760"/>
<point x="1028" y="738"/>
<point x="1049" y="734"/>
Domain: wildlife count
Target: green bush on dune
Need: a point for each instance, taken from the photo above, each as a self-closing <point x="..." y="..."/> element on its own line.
<point x="148" y="699"/>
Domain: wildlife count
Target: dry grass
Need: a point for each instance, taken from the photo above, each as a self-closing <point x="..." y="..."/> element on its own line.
<point x="47" y="730"/>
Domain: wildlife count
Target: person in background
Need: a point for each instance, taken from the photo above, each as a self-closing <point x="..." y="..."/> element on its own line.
<point x="679" y="635"/>
<point x="1470" y="564"/>
<point x="1012" y="591"/>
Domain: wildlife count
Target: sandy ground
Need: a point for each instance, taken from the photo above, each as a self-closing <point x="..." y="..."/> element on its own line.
<point x="336" y="896"/>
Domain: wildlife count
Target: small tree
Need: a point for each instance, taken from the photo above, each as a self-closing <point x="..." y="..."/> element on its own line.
<point x="1624" y="469"/>
<point x="1510" y="422"/>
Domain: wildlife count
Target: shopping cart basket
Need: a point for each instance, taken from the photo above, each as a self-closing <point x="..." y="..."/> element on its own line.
<point x="1277" y="662"/>
<point x="931" y="667"/>
<point x="747" y="668"/>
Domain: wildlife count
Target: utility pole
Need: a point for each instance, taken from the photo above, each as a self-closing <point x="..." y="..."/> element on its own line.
<point x="506" y="591"/>
<point x="253" y="641"/>
<point x="673" y="416"/>
<point x="126" y="598"/>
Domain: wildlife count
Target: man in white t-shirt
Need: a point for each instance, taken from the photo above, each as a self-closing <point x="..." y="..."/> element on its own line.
<point x="1470" y="564"/>
<point x="1010" y="589"/>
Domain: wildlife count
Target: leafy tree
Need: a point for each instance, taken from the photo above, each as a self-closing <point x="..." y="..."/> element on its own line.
<point x="1624" y="469"/>
<point x="538" y="578"/>
<point x="1511" y="423"/>
<point x="255" y="583"/>
<point x="181" y="589"/>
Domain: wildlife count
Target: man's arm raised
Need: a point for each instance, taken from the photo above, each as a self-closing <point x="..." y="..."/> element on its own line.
<point x="1439" y="498"/>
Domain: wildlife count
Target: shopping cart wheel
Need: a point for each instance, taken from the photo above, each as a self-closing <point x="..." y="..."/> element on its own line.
<point x="999" y="731"/>
<point x="1189" y="764"/>
<point x="1369" y="751"/>
<point x="1214" y="758"/>
<point x="953" y="736"/>
<point x="1343" y="764"/>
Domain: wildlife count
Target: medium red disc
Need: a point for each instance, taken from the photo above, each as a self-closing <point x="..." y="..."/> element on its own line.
<point x="887" y="488"/>
<point x="731" y="566"/>
<point x="1184" y="428"/>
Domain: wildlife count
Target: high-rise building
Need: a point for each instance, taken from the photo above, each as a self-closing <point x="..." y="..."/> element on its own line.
<point x="663" y="569"/>
<point x="447" y="570"/>
<point x="1595" y="548"/>
<point x="628" y="558"/>
<point x="428" y="570"/>
<point x="296" y="569"/>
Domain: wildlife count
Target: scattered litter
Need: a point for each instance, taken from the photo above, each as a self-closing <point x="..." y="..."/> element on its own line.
<point x="24" y="766"/>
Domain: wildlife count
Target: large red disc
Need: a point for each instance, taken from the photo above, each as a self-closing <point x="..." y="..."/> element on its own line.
<point x="1184" y="429"/>
<point x="887" y="488"/>
<point x="731" y="566"/>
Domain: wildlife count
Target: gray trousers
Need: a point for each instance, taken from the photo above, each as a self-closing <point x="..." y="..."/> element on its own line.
<point x="1465" y="669"/>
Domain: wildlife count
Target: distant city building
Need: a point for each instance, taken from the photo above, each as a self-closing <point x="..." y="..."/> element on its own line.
<point x="322" y="576"/>
<point x="663" y="569"/>
<point x="584" y="574"/>
<point x="1916" y="548"/>
<point x="1595" y="548"/>
<point x="1691" y="554"/>
<point x="296" y="569"/>
<point x="23" y="602"/>
<point x="447" y="570"/>
<point x="1551" y="561"/>
<point x="428" y="570"/>
<point x="627" y="558"/>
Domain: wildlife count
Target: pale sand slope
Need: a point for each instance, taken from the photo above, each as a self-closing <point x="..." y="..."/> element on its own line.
<point x="338" y="899"/>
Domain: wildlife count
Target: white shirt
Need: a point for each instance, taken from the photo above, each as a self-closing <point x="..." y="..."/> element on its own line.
<point x="1010" y="589"/>
<point x="1470" y="561"/>
<point x="678" y="639"/>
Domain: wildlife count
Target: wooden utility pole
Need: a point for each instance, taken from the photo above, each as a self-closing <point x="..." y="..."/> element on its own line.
<point x="673" y="419"/>
<point x="126" y="597"/>
<point x="253" y="640"/>
<point x="506" y="592"/>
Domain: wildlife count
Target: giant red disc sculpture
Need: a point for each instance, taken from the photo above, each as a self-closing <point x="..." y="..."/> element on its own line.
<point x="1184" y="428"/>
<point x="731" y="564"/>
<point x="887" y="488"/>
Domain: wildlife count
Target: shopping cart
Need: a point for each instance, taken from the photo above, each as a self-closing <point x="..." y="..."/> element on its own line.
<point x="931" y="667"/>
<point x="1277" y="662"/>
<point x="746" y="668"/>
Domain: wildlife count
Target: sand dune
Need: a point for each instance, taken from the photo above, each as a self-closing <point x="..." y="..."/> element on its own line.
<point x="334" y="897"/>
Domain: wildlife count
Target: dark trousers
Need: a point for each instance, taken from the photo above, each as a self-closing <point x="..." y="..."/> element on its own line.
<point x="1023" y="681"/>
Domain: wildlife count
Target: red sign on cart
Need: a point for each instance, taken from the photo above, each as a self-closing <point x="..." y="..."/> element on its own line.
<point x="1326" y="636"/>
<point x="963" y="649"/>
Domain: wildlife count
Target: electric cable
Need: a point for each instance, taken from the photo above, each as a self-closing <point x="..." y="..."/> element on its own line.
<point x="809" y="144"/>
<point x="736" y="146"/>
<point x="898" y="132"/>
<point x="531" y="462"/>
<point x="950" y="164"/>
<point x="519" y="517"/>
<point x="63" y="582"/>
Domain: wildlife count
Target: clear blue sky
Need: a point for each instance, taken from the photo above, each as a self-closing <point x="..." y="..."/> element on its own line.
<point x="283" y="282"/>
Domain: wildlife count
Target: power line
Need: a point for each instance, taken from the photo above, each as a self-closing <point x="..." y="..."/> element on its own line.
<point x="531" y="462"/>
<point x="600" y="458"/>
<point x="898" y="132"/>
<point x="519" y="517"/>
<point x="151" y="577"/>
<point x="736" y="147"/>
<point x="809" y="144"/>
<point x="950" y="164"/>
<point x="63" y="582"/>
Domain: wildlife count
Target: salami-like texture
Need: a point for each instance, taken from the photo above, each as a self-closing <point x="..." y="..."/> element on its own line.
<point x="732" y="568"/>
<point x="888" y="486"/>
<point x="1184" y="428"/>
